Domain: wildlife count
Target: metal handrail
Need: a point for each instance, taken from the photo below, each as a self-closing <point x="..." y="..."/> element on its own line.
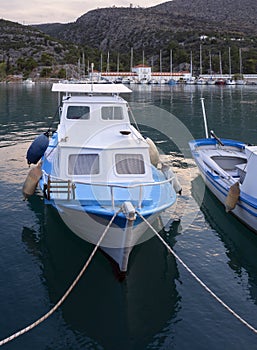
<point x="112" y="186"/>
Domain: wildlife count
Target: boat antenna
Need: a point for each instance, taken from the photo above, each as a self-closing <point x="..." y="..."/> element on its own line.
<point x="204" y="118"/>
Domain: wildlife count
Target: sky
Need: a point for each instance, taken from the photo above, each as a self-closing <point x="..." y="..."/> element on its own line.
<point x="62" y="11"/>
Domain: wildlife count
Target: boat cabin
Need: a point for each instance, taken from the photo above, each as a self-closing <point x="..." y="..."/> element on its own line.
<point x="95" y="140"/>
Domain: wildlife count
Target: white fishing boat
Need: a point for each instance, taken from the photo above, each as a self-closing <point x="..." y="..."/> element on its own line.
<point x="201" y="81"/>
<point x="230" y="81"/>
<point x="229" y="170"/>
<point x="211" y="81"/>
<point x="98" y="169"/>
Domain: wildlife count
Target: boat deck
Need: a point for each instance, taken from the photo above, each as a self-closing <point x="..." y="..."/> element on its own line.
<point x="232" y="162"/>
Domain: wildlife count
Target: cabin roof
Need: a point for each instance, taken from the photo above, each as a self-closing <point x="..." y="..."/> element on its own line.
<point x="90" y="88"/>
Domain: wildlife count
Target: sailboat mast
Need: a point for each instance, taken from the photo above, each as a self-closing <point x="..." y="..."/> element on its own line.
<point x="201" y="68"/>
<point x="101" y="63"/>
<point x="240" y="61"/>
<point x="229" y="58"/>
<point x="118" y="62"/>
<point x="220" y="64"/>
<point x="210" y="63"/>
<point x="131" y="59"/>
<point x="191" y="64"/>
<point x="160" y="61"/>
<point x="171" y="62"/>
<point x="108" y="62"/>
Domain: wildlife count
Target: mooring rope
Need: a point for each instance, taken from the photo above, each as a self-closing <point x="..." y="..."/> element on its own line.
<point x="56" y="306"/>
<point x="197" y="278"/>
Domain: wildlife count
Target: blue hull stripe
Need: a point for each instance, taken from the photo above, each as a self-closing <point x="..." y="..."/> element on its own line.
<point x="224" y="192"/>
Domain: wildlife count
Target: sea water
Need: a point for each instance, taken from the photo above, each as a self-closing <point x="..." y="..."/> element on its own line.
<point x="159" y="305"/>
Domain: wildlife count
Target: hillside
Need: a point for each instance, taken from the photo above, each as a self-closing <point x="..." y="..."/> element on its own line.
<point x="176" y="25"/>
<point x="180" y="25"/>
<point x="23" y="48"/>
<point x="121" y="28"/>
<point x="230" y="14"/>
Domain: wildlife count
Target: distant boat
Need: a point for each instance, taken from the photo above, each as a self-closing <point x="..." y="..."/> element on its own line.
<point x="211" y="81"/>
<point x="126" y="80"/>
<point x="220" y="81"/>
<point x="191" y="80"/>
<point x="172" y="82"/>
<point x="28" y="81"/>
<point x="153" y="81"/>
<point x="144" y="81"/>
<point x="240" y="80"/>
<point x="162" y="81"/>
<point x="230" y="82"/>
<point x="200" y="81"/>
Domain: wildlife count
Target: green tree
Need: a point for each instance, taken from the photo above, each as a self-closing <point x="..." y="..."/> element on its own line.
<point x="46" y="73"/>
<point x="3" y="70"/>
<point x="62" y="73"/>
<point x="46" y="59"/>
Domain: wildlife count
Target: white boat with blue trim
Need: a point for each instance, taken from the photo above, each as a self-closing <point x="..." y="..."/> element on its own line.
<point x="97" y="164"/>
<point x="229" y="170"/>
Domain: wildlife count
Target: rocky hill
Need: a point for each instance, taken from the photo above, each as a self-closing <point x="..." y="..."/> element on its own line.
<point x="23" y="48"/>
<point x="180" y="25"/>
<point x="121" y="28"/>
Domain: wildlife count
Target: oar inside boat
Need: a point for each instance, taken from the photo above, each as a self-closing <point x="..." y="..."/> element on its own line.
<point x="216" y="138"/>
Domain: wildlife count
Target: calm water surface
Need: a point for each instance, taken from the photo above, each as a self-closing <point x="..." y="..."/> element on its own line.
<point x="159" y="305"/>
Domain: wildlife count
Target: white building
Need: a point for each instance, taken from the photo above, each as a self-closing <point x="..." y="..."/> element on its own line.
<point x="142" y="71"/>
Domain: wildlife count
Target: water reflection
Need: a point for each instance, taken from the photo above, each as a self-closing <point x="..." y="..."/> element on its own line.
<point x="24" y="112"/>
<point x="240" y="243"/>
<point x="116" y="315"/>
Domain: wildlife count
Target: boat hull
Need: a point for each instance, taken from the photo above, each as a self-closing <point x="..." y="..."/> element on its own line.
<point x="120" y="237"/>
<point x="246" y="206"/>
<point x="246" y="213"/>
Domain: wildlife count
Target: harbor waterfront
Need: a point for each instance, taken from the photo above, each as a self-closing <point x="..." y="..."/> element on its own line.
<point x="159" y="305"/>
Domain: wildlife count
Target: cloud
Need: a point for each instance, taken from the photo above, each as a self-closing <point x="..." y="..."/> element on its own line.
<point x="50" y="11"/>
<point x="35" y="11"/>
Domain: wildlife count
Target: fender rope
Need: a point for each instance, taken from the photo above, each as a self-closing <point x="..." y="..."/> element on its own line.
<point x="198" y="279"/>
<point x="56" y="306"/>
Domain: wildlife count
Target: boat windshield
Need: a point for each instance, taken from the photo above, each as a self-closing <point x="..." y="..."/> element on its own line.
<point x="78" y="112"/>
<point x="112" y="113"/>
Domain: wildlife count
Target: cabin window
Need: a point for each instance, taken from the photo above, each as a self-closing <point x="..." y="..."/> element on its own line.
<point x="129" y="164"/>
<point x="83" y="164"/>
<point x="78" y="112"/>
<point x="112" y="113"/>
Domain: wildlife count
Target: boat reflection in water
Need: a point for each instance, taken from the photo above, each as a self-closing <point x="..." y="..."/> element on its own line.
<point x="240" y="243"/>
<point x="113" y="315"/>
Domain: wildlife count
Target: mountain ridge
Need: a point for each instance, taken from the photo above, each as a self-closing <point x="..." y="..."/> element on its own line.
<point x="119" y="24"/>
<point x="178" y="25"/>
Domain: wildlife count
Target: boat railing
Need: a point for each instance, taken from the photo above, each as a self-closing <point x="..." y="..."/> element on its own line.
<point x="57" y="185"/>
